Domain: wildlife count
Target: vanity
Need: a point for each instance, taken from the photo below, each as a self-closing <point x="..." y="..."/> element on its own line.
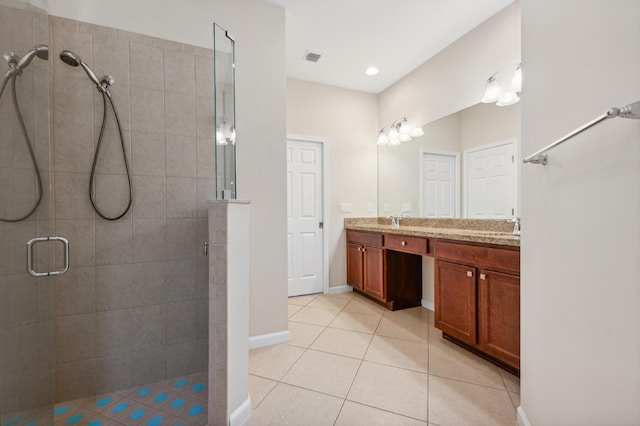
<point x="476" y="283"/>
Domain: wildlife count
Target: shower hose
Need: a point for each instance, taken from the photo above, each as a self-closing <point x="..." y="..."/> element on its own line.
<point x="107" y="96"/>
<point x="13" y="76"/>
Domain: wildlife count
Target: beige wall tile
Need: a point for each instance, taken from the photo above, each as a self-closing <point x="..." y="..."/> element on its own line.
<point x="114" y="242"/>
<point x="75" y="338"/>
<point x="148" y="324"/>
<point x="75" y="292"/>
<point x="181" y="198"/>
<point x="147" y="110"/>
<point x="113" y="285"/>
<point x="181" y="280"/>
<point x="180" y="114"/>
<point x="150" y="200"/>
<point x="181" y="155"/>
<point x="75" y="380"/>
<point x="111" y="57"/>
<point x="149" y="284"/>
<point x="181" y="322"/>
<point x="181" y="239"/>
<point x="113" y="332"/>
<point x="148" y="154"/>
<point x="179" y="72"/>
<point x="149" y="240"/>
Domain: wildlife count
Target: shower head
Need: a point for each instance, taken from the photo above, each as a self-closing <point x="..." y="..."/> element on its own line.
<point x="11" y="58"/>
<point x="74" y="60"/>
<point x="39" y="50"/>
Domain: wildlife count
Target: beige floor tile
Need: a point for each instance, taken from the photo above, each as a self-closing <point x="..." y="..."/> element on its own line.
<point x="272" y="362"/>
<point x="403" y="328"/>
<point x="347" y="295"/>
<point x="259" y="388"/>
<point x="301" y="300"/>
<point x="393" y="389"/>
<point x="432" y="318"/>
<point x="327" y="301"/>
<point x="510" y="381"/>
<point x="418" y="313"/>
<point x="343" y="342"/>
<point x="435" y="334"/>
<point x="360" y="305"/>
<point x="290" y="405"/>
<point x="303" y="334"/>
<point x="356" y="322"/>
<point x="323" y="372"/>
<point x="353" y="414"/>
<point x="292" y="309"/>
<point x="515" y="398"/>
<point x="449" y="360"/>
<point x="314" y="316"/>
<point x="100" y="403"/>
<point x="399" y="353"/>
<point x="457" y="403"/>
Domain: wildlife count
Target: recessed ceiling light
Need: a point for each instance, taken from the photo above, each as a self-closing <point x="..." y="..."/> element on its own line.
<point x="372" y="70"/>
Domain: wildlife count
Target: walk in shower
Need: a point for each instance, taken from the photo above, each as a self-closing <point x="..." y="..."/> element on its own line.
<point x="123" y="336"/>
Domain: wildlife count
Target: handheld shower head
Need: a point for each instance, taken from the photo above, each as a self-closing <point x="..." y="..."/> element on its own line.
<point x="74" y="60"/>
<point x="39" y="50"/>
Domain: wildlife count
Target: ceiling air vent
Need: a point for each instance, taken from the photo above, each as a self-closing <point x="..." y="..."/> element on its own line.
<point x="311" y="56"/>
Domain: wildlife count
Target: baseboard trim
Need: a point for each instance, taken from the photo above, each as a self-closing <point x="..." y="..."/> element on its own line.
<point x="428" y="305"/>
<point x="241" y="414"/>
<point x="269" y="339"/>
<point x="341" y="289"/>
<point x="522" y="417"/>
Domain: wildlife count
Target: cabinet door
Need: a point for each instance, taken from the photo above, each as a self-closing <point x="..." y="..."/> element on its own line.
<point x="373" y="272"/>
<point x="355" y="268"/>
<point x="455" y="291"/>
<point x="499" y="316"/>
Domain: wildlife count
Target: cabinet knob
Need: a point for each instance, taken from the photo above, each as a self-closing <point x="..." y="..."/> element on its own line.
<point x="404" y="243"/>
<point x="359" y="248"/>
<point x="363" y="249"/>
<point x="483" y="277"/>
<point x="469" y="274"/>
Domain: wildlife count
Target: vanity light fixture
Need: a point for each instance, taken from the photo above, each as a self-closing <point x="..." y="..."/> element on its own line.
<point x="494" y="91"/>
<point x="400" y="131"/>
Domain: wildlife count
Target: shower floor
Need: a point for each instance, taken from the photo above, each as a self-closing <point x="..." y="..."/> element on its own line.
<point x="179" y="401"/>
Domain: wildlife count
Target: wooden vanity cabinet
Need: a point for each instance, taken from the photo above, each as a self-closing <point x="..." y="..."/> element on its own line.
<point x="455" y="293"/>
<point x="365" y="263"/>
<point x="390" y="275"/>
<point x="477" y="292"/>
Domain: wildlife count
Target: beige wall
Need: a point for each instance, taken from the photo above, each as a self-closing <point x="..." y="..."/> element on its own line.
<point x="455" y="78"/>
<point x="580" y="318"/>
<point x="485" y="124"/>
<point x="348" y="121"/>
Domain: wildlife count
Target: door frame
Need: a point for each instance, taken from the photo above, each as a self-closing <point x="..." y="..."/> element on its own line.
<point x="456" y="156"/>
<point x="516" y="172"/>
<point x="325" y="216"/>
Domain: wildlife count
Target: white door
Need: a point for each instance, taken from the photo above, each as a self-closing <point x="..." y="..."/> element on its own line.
<point x="304" y="214"/>
<point x="439" y="187"/>
<point x="491" y="182"/>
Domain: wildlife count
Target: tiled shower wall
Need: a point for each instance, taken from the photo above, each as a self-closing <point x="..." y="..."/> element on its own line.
<point x="133" y="308"/>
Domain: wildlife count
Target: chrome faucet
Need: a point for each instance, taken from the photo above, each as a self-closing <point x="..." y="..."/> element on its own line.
<point x="516" y="225"/>
<point x="395" y="222"/>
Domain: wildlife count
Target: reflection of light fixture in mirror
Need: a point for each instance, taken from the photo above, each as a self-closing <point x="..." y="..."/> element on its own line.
<point x="400" y="131"/>
<point x="226" y="134"/>
<point x="494" y="91"/>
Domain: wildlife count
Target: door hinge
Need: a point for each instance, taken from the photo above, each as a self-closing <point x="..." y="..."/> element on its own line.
<point x="321" y="225"/>
<point x="513" y="212"/>
<point x="513" y="158"/>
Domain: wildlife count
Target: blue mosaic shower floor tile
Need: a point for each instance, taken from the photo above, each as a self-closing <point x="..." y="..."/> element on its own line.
<point x="176" y="402"/>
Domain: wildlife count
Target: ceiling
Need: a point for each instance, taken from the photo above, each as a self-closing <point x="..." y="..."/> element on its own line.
<point x="395" y="35"/>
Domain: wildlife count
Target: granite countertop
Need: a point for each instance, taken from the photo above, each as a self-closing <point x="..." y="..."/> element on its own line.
<point x="498" y="232"/>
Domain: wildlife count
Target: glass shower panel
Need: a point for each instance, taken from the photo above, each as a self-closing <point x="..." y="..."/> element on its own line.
<point x="225" y="113"/>
<point x="26" y="302"/>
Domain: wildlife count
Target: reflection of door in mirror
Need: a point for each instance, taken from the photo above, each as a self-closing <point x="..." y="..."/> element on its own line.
<point x="401" y="188"/>
<point x="490" y="181"/>
<point x="440" y="184"/>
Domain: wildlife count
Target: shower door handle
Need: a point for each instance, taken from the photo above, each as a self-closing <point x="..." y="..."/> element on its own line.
<point x="33" y="242"/>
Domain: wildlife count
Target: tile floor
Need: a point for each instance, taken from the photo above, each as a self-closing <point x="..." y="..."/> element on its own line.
<point x="180" y="401"/>
<point x="352" y="362"/>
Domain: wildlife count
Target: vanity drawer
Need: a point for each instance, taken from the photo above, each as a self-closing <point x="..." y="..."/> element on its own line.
<point x="486" y="257"/>
<point x="366" y="238"/>
<point x="406" y="244"/>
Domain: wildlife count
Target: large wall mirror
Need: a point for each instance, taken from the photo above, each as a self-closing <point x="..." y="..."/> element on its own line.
<point x="464" y="166"/>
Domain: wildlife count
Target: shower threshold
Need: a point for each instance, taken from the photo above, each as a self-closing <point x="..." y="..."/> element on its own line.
<point x="179" y="401"/>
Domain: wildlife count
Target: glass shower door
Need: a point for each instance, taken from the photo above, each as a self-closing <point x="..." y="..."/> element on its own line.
<point x="26" y="301"/>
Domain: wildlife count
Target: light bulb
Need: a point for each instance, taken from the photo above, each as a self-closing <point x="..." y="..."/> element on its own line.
<point x="405" y="138"/>
<point x="220" y="139"/>
<point x="394" y="142"/>
<point x="382" y="139"/>
<point x="417" y="132"/>
<point x="508" y="98"/>
<point x="393" y="133"/>
<point x="493" y="91"/>
<point x="405" y="128"/>
<point x="232" y="137"/>
<point x="516" y="82"/>
<point x="372" y="70"/>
